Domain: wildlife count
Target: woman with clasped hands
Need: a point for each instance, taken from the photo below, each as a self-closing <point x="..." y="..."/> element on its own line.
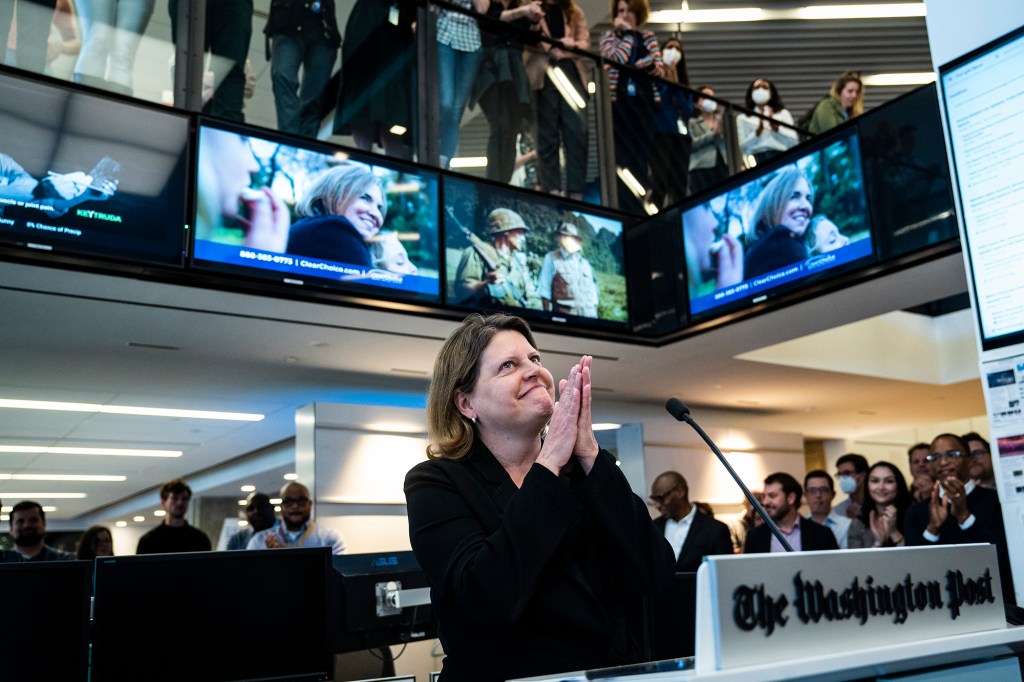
<point x="531" y="540"/>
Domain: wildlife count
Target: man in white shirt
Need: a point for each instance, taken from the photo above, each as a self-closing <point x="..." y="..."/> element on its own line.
<point x="692" y="534"/>
<point x="297" y="529"/>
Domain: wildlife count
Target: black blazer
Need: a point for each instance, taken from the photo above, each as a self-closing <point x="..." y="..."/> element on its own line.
<point x="707" y="536"/>
<point x="988" y="527"/>
<point x="532" y="580"/>
<point x="813" y="536"/>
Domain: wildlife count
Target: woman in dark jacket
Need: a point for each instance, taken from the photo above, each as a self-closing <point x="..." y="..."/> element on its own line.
<point x="344" y="208"/>
<point x="531" y="540"/>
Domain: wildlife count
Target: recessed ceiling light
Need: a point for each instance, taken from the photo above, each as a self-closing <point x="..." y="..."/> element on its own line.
<point x="242" y="503"/>
<point x="60" y="477"/>
<point x="890" y="10"/>
<point x="128" y="409"/>
<point x="159" y="512"/>
<point x="275" y="500"/>
<point x="909" y="78"/>
<point x="248" y="488"/>
<point x="468" y="162"/>
<point x="110" y="452"/>
<point x="121" y="524"/>
<point x="277" y="508"/>
<point x="46" y="496"/>
<point x="138" y="519"/>
<point x="607" y="426"/>
<point x="291" y="477"/>
<point x="242" y="523"/>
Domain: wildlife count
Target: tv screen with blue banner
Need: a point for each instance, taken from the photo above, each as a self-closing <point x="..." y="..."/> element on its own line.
<point x="85" y="175"/>
<point x="776" y="231"/>
<point x="304" y="213"/>
<point x="534" y="255"/>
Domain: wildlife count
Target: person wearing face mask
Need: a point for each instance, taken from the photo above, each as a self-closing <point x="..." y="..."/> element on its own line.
<point x="707" y="155"/>
<point x="567" y="284"/>
<point x="670" y="162"/>
<point x="844" y="101"/>
<point x="851" y="472"/>
<point x="344" y="208"/>
<point x="781" y="216"/>
<point x="762" y="136"/>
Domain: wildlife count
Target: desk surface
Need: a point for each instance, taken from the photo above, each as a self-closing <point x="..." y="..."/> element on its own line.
<point x="854" y="665"/>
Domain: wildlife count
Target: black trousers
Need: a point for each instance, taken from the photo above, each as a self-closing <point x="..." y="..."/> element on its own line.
<point x="670" y="167"/>
<point x="559" y="126"/>
<point x="228" y="32"/>
<point x="504" y="116"/>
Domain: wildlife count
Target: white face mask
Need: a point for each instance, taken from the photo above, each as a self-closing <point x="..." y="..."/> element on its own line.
<point x="709" y="105"/>
<point x="671" y="56"/>
<point x="761" y="96"/>
<point x="848" y="484"/>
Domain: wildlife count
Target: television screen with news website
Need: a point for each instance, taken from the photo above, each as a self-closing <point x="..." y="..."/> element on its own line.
<point x="539" y="256"/>
<point x="778" y="230"/>
<point x="304" y="213"/>
<point x="83" y="174"/>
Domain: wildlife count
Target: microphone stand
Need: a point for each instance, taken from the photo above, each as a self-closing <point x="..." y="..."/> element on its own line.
<point x="682" y="413"/>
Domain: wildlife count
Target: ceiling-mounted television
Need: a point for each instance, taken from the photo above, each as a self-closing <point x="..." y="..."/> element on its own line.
<point x="304" y="213"/>
<point x="83" y="174"/>
<point x="535" y="255"/>
<point x="777" y="229"/>
<point x="982" y="95"/>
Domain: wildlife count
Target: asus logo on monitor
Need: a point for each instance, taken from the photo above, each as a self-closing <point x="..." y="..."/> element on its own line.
<point x="385" y="561"/>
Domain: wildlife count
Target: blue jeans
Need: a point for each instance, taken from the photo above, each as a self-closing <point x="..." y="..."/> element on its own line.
<point x="299" y="105"/>
<point x="456" y="74"/>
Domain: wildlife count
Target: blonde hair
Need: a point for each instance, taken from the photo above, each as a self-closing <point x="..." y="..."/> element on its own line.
<point x="837" y="87"/>
<point x="331" y="191"/>
<point x="456" y="370"/>
<point x="773" y="199"/>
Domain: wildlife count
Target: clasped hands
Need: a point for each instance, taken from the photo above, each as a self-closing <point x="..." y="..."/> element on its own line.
<point x="571" y="428"/>
<point x="955" y="503"/>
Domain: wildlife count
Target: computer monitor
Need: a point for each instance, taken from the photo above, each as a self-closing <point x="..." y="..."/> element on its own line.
<point x="361" y="620"/>
<point x="46" y="621"/>
<point x="216" y="616"/>
<point x="981" y="92"/>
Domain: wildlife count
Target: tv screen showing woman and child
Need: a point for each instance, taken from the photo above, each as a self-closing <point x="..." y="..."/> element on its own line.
<point x="85" y="175"/>
<point x="535" y="256"/>
<point x="308" y="214"/>
<point x="778" y="229"/>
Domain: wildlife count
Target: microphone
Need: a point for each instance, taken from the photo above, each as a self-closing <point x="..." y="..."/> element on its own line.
<point x="681" y="412"/>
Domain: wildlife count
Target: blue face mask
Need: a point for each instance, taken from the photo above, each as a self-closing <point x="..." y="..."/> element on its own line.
<point x="847" y="484"/>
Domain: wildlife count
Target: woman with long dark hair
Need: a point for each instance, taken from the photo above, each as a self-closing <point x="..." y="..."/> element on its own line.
<point x="885" y="505"/>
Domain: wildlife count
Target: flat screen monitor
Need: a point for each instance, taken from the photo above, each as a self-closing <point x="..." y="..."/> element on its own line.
<point x="304" y="213"/>
<point x="216" y="616"/>
<point x="552" y="259"/>
<point x="983" y="93"/>
<point x="777" y="230"/>
<point x="46" y="607"/>
<point x="86" y="175"/>
<point x="361" y="621"/>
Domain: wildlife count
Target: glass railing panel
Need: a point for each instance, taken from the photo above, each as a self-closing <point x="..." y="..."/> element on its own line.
<point x="118" y="46"/>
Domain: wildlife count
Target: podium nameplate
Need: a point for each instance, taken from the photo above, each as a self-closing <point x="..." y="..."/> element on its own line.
<point x="760" y="608"/>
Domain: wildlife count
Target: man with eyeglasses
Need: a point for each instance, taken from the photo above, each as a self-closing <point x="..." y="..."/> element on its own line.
<point x="820" y="492"/>
<point x="981" y="460"/>
<point x="692" y="534"/>
<point x="297" y="529"/>
<point x="174" y="534"/>
<point x="959" y="511"/>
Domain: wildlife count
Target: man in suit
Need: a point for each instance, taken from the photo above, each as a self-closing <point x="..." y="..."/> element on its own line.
<point x="781" y="500"/>
<point x="692" y="534"/>
<point x="959" y="510"/>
